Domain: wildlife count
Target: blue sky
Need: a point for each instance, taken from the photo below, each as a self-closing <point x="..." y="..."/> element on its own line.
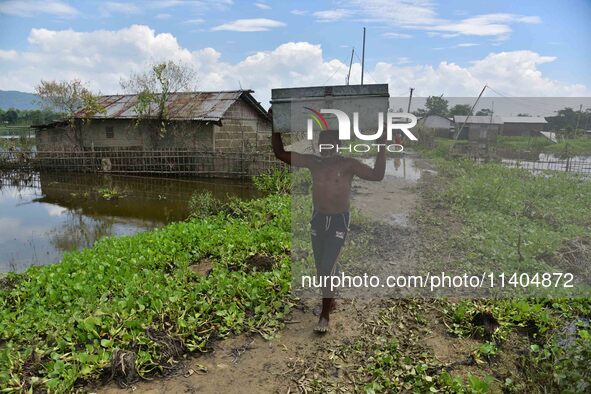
<point x="409" y="42"/>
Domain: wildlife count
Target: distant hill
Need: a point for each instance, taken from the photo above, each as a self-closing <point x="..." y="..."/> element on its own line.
<point x="18" y="100"/>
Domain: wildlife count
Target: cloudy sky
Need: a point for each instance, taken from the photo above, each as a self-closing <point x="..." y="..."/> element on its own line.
<point x="519" y="48"/>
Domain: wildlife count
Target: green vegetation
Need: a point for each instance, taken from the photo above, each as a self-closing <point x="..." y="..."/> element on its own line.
<point x="514" y="219"/>
<point x="110" y="193"/>
<point x="11" y="117"/>
<point x="274" y="181"/>
<point x="132" y="306"/>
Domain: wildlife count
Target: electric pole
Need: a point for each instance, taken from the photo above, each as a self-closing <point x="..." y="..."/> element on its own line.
<point x="363" y="57"/>
<point x="410" y="99"/>
<point x="578" y="119"/>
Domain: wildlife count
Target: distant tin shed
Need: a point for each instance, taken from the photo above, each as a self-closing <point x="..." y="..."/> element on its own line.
<point x="220" y="121"/>
<point x="523" y="125"/>
<point x="439" y="125"/>
<point x="478" y="128"/>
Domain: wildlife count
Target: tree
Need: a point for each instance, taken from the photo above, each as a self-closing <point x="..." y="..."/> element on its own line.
<point x="155" y="86"/>
<point x="73" y="100"/>
<point x="436" y="105"/>
<point x="10" y="116"/>
<point x="484" y="112"/>
<point x="460" y="109"/>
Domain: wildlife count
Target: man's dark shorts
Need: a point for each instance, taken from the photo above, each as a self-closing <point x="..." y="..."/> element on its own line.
<point x="328" y="236"/>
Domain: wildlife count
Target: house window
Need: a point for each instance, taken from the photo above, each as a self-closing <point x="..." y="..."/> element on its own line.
<point x="109" y="133"/>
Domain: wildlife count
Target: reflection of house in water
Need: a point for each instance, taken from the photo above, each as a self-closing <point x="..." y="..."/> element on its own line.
<point x="153" y="201"/>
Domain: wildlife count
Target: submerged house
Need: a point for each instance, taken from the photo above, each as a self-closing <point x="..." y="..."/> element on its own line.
<point x="439" y="125"/>
<point x="478" y="128"/>
<point x="523" y="125"/>
<point x="221" y="121"/>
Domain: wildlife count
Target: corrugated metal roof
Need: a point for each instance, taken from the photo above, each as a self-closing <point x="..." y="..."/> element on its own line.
<point x="205" y="106"/>
<point x="478" y="119"/>
<point x="524" y="119"/>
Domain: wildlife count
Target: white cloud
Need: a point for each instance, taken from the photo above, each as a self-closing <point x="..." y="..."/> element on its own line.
<point x="299" y="12"/>
<point x="115" y="7"/>
<point x="403" y="36"/>
<point x="34" y="7"/>
<point x="467" y="45"/>
<point x="163" y="16"/>
<point x="103" y="57"/>
<point x="249" y="25"/>
<point x="422" y="15"/>
<point x="197" y="21"/>
<point x="331" y="15"/>
<point x="262" y="6"/>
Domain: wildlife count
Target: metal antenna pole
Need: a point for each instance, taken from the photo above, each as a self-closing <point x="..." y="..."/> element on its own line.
<point x="363" y="57"/>
<point x="457" y="134"/>
<point x="350" y="64"/>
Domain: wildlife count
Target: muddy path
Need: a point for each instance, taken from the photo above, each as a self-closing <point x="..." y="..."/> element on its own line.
<point x="297" y="360"/>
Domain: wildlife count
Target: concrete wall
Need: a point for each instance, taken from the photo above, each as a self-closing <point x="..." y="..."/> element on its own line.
<point x="56" y="139"/>
<point x="242" y="129"/>
<point x="125" y="135"/>
<point x="193" y="135"/>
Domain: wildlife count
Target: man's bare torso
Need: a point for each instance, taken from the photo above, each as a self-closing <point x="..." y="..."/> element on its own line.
<point x="331" y="184"/>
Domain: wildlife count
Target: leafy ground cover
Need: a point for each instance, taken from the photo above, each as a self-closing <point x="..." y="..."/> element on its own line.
<point x="511" y="218"/>
<point x="132" y="306"/>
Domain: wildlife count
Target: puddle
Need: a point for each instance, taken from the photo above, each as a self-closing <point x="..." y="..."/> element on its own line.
<point x="403" y="167"/>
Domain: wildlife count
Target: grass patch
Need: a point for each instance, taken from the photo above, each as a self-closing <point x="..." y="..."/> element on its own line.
<point x="515" y="221"/>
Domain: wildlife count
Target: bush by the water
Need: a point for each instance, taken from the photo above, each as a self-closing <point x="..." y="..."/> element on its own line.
<point x="274" y="181"/>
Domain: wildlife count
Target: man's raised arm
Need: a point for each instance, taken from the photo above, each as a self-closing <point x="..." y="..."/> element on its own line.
<point x="299" y="160"/>
<point x="379" y="168"/>
<point x="278" y="149"/>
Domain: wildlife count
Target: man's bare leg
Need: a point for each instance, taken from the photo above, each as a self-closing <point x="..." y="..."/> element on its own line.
<point x="317" y="311"/>
<point x="328" y="305"/>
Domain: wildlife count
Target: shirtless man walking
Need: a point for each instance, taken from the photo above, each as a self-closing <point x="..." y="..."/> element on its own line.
<point x="332" y="176"/>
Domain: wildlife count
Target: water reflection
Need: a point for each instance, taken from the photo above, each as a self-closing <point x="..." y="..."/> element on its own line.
<point x="43" y="215"/>
<point x="402" y="166"/>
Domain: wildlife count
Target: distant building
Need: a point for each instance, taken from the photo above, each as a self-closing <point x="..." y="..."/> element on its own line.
<point x="478" y="128"/>
<point x="523" y="125"/>
<point x="222" y="121"/>
<point x="439" y="125"/>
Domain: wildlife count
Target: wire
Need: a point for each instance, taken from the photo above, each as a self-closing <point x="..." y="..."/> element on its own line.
<point x="329" y="78"/>
<point x="365" y="71"/>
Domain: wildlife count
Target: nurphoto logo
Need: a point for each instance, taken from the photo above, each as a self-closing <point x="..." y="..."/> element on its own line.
<point x="392" y="124"/>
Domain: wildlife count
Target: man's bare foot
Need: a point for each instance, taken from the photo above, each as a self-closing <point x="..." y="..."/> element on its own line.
<point x="322" y="326"/>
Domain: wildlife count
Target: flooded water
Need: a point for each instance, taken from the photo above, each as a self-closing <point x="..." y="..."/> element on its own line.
<point x="404" y="167"/>
<point x="43" y="215"/>
<point x="543" y="161"/>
